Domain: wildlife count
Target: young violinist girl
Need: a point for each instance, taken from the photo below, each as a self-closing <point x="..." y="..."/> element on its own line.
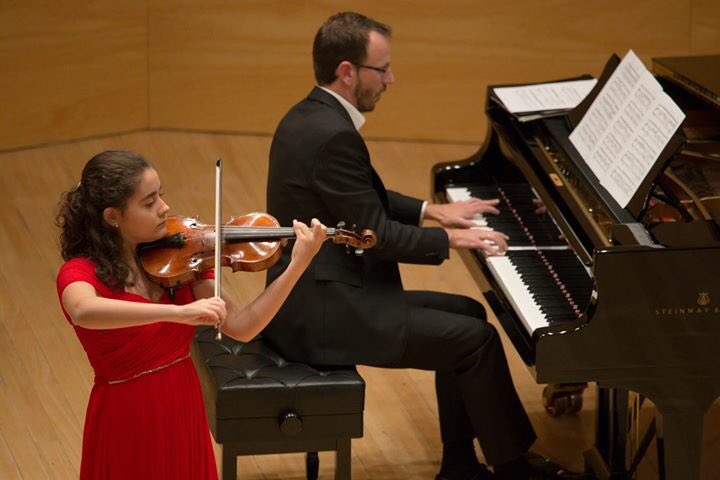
<point x="145" y="417"/>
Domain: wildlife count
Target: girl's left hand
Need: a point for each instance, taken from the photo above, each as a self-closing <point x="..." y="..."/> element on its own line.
<point x="307" y="241"/>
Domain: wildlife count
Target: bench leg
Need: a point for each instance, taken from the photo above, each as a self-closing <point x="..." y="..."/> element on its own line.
<point x="342" y="459"/>
<point x="229" y="463"/>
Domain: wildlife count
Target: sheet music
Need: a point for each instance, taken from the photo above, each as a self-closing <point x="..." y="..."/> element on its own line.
<point x="626" y="128"/>
<point x="545" y="96"/>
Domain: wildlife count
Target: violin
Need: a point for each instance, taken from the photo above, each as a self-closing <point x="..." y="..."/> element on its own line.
<point x="249" y="243"/>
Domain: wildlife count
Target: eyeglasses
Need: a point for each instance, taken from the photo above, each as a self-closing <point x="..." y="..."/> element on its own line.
<point x="382" y="70"/>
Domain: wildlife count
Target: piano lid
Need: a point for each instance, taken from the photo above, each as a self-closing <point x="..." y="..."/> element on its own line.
<point x="698" y="74"/>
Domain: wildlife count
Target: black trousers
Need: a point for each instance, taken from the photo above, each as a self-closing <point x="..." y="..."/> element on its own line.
<point x="476" y="396"/>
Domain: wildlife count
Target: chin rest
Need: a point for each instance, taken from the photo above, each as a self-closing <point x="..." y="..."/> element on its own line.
<point x="259" y="403"/>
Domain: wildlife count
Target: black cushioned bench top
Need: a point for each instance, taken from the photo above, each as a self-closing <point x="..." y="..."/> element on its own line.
<point x="253" y="377"/>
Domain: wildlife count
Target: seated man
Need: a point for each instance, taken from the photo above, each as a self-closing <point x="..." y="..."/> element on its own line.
<point x="353" y="310"/>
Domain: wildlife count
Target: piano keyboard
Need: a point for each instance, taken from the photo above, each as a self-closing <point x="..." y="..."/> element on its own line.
<point x="540" y="275"/>
<point x="534" y="230"/>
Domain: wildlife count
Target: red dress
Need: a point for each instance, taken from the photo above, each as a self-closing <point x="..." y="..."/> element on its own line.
<point x="141" y="424"/>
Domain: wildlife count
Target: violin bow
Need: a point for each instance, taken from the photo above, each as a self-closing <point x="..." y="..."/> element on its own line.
<point x="218" y="238"/>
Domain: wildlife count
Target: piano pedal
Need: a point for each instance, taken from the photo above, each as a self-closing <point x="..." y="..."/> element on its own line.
<point x="563" y="398"/>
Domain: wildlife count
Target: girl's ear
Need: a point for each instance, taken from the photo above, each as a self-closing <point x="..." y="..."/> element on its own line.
<point x="111" y="216"/>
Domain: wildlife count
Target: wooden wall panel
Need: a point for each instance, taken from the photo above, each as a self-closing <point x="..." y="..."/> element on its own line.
<point x="227" y="65"/>
<point x="71" y="69"/>
<point x="77" y="69"/>
<point x="238" y="66"/>
<point x="705" y="27"/>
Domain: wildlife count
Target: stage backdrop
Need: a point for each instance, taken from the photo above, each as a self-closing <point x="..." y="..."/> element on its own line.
<point x="77" y="69"/>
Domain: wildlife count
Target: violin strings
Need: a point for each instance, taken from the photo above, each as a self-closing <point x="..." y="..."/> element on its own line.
<point x="268" y="232"/>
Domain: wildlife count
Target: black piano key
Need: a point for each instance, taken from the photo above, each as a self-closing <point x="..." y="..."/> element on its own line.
<point x="557" y="281"/>
<point x="540" y="226"/>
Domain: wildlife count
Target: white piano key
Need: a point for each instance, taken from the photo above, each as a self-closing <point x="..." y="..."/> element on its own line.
<point x="514" y="289"/>
<point x="458" y="194"/>
<point x="517" y="293"/>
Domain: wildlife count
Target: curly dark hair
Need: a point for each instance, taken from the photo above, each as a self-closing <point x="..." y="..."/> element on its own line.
<point x="344" y="36"/>
<point x="108" y="180"/>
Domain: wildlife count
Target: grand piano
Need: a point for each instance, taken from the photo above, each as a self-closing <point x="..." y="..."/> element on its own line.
<point x="627" y="297"/>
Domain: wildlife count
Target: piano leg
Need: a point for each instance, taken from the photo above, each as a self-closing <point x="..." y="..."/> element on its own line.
<point x="678" y="424"/>
<point x="607" y="459"/>
<point x="613" y="441"/>
<point x="680" y="435"/>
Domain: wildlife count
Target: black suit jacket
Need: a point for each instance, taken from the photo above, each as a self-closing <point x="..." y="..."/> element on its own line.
<point x="345" y="309"/>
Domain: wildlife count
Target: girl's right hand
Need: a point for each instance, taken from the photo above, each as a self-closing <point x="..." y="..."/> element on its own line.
<point x="206" y="311"/>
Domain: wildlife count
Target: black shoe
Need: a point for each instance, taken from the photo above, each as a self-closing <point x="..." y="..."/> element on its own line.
<point x="481" y="474"/>
<point x="542" y="468"/>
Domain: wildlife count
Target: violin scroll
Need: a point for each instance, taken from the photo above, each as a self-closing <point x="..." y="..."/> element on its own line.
<point x="359" y="242"/>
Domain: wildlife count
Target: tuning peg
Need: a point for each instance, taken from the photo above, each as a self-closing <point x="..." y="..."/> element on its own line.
<point x="340" y="225"/>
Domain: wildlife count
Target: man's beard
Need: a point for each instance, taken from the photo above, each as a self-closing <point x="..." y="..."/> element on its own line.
<point x="365" y="98"/>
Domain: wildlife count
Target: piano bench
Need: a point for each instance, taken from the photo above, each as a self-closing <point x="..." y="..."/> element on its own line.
<point x="259" y="403"/>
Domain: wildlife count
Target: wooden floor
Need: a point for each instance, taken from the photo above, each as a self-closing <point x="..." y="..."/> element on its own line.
<point x="44" y="374"/>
